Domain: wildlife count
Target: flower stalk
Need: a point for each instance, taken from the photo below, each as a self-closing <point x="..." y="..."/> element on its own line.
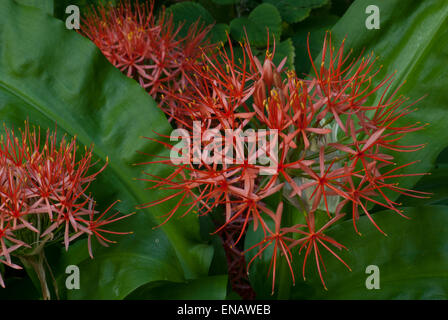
<point x="36" y="262"/>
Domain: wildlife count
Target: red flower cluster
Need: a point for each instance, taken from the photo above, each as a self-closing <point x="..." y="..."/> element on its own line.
<point x="43" y="194"/>
<point x="332" y="155"/>
<point x="145" y="47"/>
<point x="332" y="151"/>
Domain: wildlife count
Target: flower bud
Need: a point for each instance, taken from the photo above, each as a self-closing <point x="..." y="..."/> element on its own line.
<point x="259" y="93"/>
<point x="267" y="75"/>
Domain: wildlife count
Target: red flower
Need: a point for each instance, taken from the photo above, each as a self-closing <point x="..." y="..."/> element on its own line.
<point x="276" y="237"/>
<point x="147" y="47"/>
<point x="314" y="163"/>
<point x="43" y="193"/>
<point x="327" y="179"/>
<point x="313" y="239"/>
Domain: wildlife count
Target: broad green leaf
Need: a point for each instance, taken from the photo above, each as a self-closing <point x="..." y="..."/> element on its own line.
<point x="221" y="13"/>
<point x="411" y="41"/>
<point x="219" y="33"/>
<point x="45" y="5"/>
<point x="285" y="49"/>
<point x="412" y="260"/>
<point x="293" y="11"/>
<point x="208" y="288"/>
<point x="435" y="184"/>
<point x="50" y="75"/>
<point x="315" y="27"/>
<point x="263" y="18"/>
<point x="339" y="7"/>
<point x="190" y="12"/>
<point x="218" y="266"/>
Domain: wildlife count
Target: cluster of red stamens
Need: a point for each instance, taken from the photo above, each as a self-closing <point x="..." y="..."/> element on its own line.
<point x="43" y="195"/>
<point x="147" y="47"/>
<point x="332" y="147"/>
<point x="332" y="152"/>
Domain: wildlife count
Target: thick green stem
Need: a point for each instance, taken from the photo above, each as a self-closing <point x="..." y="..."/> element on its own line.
<point x="36" y="262"/>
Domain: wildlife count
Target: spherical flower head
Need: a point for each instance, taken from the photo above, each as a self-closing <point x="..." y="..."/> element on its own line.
<point x="333" y="150"/>
<point x="44" y="194"/>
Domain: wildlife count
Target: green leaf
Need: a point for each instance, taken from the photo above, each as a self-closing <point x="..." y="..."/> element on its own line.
<point x="190" y="12"/>
<point x="208" y="288"/>
<point x="285" y="49"/>
<point x="411" y="40"/>
<point x="45" y="5"/>
<point x="50" y="75"/>
<point x="219" y="33"/>
<point x="412" y="259"/>
<point x="264" y="17"/>
<point x="435" y="184"/>
<point x="225" y="2"/>
<point x="293" y="11"/>
<point x="316" y="28"/>
<point x="220" y="13"/>
<point x="218" y="265"/>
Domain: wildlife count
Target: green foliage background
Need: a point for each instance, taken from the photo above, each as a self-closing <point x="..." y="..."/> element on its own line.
<point x="50" y="75"/>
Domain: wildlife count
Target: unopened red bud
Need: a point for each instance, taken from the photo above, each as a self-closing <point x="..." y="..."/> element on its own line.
<point x="267" y="75"/>
<point x="259" y="93"/>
